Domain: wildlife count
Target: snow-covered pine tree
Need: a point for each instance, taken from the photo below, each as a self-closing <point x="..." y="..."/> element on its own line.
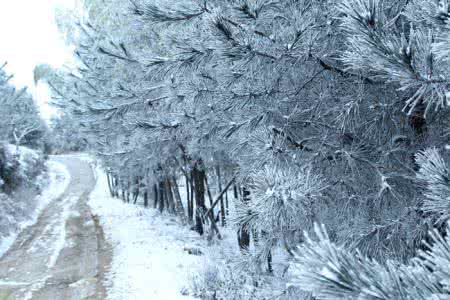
<point x="309" y="99"/>
<point x="20" y="120"/>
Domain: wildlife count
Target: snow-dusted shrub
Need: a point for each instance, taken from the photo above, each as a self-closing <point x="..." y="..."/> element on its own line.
<point x="19" y="167"/>
<point x="222" y="282"/>
<point x="16" y="209"/>
<point x="22" y="172"/>
<point x="206" y="281"/>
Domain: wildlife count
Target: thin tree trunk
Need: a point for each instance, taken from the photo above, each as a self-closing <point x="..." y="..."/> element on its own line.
<point x="269" y="262"/>
<point x="220" y="195"/>
<point x="222" y="206"/>
<point x="169" y="206"/>
<point x="161" y="196"/>
<point x="210" y="212"/>
<point x="209" y="191"/>
<point x="146" y="190"/>
<point x="191" y="200"/>
<point x="178" y="201"/>
<point x="136" y="190"/>
<point x="227" y="210"/>
<point x="214" y="225"/>
<point x="188" y="196"/>
<point x="156" y="195"/>
<point x="417" y="120"/>
<point x="211" y="217"/>
<point x="146" y="198"/>
<point x="110" y="187"/>
<point x="170" y="197"/>
<point x="136" y="196"/>
<point x="123" y="191"/>
<point x="115" y="186"/>
<point x="243" y="234"/>
<point x="128" y="191"/>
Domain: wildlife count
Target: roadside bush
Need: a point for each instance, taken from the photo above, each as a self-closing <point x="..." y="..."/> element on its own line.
<point x="19" y="167"/>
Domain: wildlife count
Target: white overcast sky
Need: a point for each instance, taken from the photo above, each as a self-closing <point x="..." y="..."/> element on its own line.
<point x="28" y="37"/>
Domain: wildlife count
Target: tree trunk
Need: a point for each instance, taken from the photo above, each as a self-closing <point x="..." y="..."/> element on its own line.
<point x="199" y="184"/>
<point x="170" y="197"/>
<point x="269" y="262"/>
<point x="156" y="196"/>
<point x="146" y="198"/>
<point x="128" y="191"/>
<point x="161" y="196"/>
<point x="191" y="200"/>
<point x="243" y="234"/>
<point x="211" y="217"/>
<point x="188" y="197"/>
<point x="110" y="185"/>
<point x="211" y="209"/>
<point x="418" y="123"/>
<point x="227" y="211"/>
<point x="178" y="202"/>
<point x="115" y="186"/>
<point x="123" y="191"/>
<point x="417" y="120"/>
<point x="222" y="205"/>
<point x="136" y="190"/>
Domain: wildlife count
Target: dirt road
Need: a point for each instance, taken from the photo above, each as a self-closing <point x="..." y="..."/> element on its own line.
<point x="64" y="255"/>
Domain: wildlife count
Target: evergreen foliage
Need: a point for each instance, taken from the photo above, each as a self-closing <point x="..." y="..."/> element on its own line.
<point x="330" y="271"/>
<point x="314" y="111"/>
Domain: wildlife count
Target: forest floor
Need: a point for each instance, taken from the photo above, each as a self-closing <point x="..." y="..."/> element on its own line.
<point x="63" y="255"/>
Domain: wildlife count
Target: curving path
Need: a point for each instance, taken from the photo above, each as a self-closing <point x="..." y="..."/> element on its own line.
<point x="64" y="255"/>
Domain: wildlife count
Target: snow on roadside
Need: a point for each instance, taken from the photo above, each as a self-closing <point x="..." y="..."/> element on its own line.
<point x="58" y="181"/>
<point x="149" y="261"/>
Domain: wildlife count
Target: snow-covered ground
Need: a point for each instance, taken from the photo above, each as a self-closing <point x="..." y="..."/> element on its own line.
<point x="149" y="258"/>
<point x="58" y="179"/>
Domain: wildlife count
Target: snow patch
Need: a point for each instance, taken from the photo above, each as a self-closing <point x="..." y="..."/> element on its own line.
<point x="36" y="286"/>
<point x="13" y="283"/>
<point x="148" y="257"/>
<point x="59" y="179"/>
